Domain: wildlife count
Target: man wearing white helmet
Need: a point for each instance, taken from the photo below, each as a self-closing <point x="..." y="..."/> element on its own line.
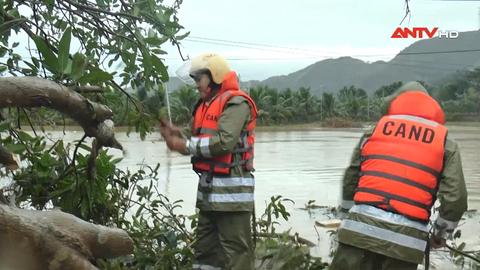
<point x="221" y="143"/>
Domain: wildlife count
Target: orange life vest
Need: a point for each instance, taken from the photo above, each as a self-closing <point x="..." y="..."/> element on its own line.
<point x="205" y="124"/>
<point x="403" y="159"/>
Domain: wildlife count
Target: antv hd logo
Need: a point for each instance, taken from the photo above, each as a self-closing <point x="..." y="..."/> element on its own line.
<point x="421" y="32"/>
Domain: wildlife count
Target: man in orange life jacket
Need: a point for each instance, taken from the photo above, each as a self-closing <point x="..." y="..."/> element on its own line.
<point x="396" y="173"/>
<point x="221" y="144"/>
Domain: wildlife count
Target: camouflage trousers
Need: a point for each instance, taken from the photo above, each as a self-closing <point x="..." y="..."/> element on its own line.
<point x="224" y="241"/>
<point x="350" y="257"/>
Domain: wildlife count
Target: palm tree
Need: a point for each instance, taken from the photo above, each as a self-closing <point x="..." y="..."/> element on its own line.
<point x="352" y="100"/>
<point x="387" y="90"/>
<point x="260" y="94"/>
<point x="306" y="104"/>
<point x="183" y="102"/>
<point x="328" y="104"/>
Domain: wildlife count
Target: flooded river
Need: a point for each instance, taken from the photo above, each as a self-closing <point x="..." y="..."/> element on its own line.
<point x="299" y="165"/>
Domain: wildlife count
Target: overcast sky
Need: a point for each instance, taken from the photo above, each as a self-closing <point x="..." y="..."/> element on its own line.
<point x="299" y="33"/>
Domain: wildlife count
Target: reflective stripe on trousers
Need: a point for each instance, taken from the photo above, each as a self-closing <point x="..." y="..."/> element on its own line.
<point x="226" y="198"/>
<point x="384" y="234"/>
<point x="227" y="182"/>
<point x="230" y="182"/>
<point x="374" y="212"/>
<point x="196" y="266"/>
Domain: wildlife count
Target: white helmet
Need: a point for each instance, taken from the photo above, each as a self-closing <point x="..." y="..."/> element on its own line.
<point x="214" y="63"/>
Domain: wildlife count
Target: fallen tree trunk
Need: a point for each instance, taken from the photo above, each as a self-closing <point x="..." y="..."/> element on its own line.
<point x="53" y="240"/>
<point x="28" y="92"/>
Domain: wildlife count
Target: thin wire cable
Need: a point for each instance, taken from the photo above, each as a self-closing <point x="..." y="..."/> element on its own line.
<point x="257" y="44"/>
<point x="274" y="48"/>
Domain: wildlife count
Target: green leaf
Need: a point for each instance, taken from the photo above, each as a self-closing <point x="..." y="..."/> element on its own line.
<point x="78" y="66"/>
<point x="160" y="68"/>
<point x="64" y="50"/>
<point x="96" y="76"/>
<point x="15" y="44"/>
<point x="4" y="125"/>
<point x="147" y="62"/>
<point x="111" y="61"/>
<point x="3" y="68"/>
<point x="139" y="210"/>
<point x="46" y="160"/>
<point x="32" y="66"/>
<point x="51" y="61"/>
<point x="155" y="41"/>
<point x="116" y="160"/>
<point x="180" y="37"/>
<point x="101" y="3"/>
<point x="68" y="68"/>
<point x="16" y="148"/>
<point x="3" y="51"/>
<point x="24" y="136"/>
<point x="35" y="62"/>
<point x="158" y="51"/>
<point x="59" y="192"/>
<point x="50" y="4"/>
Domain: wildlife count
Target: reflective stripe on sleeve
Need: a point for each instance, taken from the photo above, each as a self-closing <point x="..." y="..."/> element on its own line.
<point x="193" y="146"/>
<point x="204" y="147"/>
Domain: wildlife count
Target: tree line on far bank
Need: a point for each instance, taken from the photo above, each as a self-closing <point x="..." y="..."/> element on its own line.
<point x="459" y="96"/>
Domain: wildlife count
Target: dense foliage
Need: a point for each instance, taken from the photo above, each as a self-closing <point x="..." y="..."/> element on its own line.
<point x="114" y="46"/>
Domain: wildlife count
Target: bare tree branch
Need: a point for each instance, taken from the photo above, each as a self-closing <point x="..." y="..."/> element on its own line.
<point x="180" y="51"/>
<point x="407" y="11"/>
<point x="29" y="122"/>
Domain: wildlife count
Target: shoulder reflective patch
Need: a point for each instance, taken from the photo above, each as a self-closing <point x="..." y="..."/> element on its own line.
<point x="415" y="119"/>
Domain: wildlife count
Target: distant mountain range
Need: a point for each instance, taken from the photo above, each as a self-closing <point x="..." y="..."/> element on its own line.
<point x="429" y="60"/>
